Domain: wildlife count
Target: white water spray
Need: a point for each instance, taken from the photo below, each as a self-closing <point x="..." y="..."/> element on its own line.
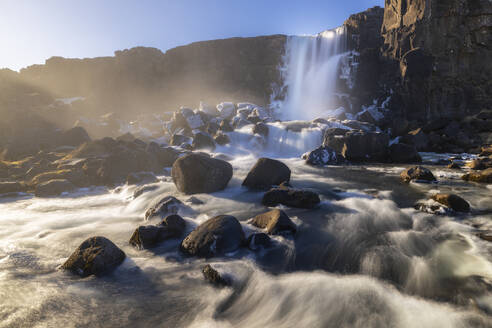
<point x="311" y="72"/>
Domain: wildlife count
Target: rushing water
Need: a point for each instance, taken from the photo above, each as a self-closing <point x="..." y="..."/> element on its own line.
<point x="364" y="258"/>
<point x="311" y="67"/>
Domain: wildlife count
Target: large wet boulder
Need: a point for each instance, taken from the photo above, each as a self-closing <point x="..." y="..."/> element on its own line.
<point x="453" y="202"/>
<point x="480" y="163"/>
<point x="222" y="139"/>
<point x="166" y="206"/>
<point x="203" y="140"/>
<point x="417" y="173"/>
<point x="290" y="197"/>
<point x="53" y="188"/>
<point x="196" y="173"/>
<point x="216" y="236"/>
<point x="95" y="256"/>
<point x="145" y="237"/>
<point x="267" y="173"/>
<point x="322" y="156"/>
<point x="358" y="146"/>
<point x="484" y="176"/>
<point x="275" y="222"/>
<point x="402" y="153"/>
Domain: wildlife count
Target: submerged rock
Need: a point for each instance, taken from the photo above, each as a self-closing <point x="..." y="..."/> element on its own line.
<point x="402" y="153"/>
<point x="322" y="156"/>
<point x="222" y="139"/>
<point x="95" y="256"/>
<point x="53" y="188"/>
<point x="213" y="276"/>
<point x="172" y="226"/>
<point x="258" y="240"/>
<point x="418" y="173"/>
<point x="452" y="201"/>
<point x="166" y="206"/>
<point x="267" y="173"/>
<point x="141" y="178"/>
<point x="484" y="176"/>
<point x="275" y="222"/>
<point x="261" y="129"/>
<point x="195" y="173"/>
<point x="290" y="197"/>
<point x="215" y="236"/>
<point x="143" y="189"/>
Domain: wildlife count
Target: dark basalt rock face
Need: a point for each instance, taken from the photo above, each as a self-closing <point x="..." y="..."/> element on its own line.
<point x="275" y="222"/>
<point x="215" y="236"/>
<point x="95" y="256"/>
<point x="266" y="173"/>
<point x="196" y="173"/>
<point x="440" y="46"/>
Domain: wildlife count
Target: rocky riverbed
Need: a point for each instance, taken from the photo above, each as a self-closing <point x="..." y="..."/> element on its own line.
<point x="312" y="223"/>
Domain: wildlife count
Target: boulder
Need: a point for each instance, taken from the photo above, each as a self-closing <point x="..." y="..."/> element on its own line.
<point x="166" y="156"/>
<point x="127" y="137"/>
<point x="267" y="173"/>
<point x="11" y="186"/>
<point x="484" y="176"/>
<point x="454" y="166"/>
<point x="275" y="222"/>
<point x="212" y="128"/>
<point x="143" y="189"/>
<point x="402" y="153"/>
<point x="74" y="137"/>
<point x="195" y="121"/>
<point x="290" y="197"/>
<point x="335" y="132"/>
<point x="75" y="175"/>
<point x="53" y="188"/>
<point x="141" y="178"/>
<point x="261" y="129"/>
<point x="95" y="256"/>
<point x="213" y="277"/>
<point x="486" y="150"/>
<point x="453" y="202"/>
<point x="322" y="156"/>
<point x="258" y="240"/>
<point x="480" y="163"/>
<point x="226" y="109"/>
<point x="203" y="140"/>
<point x="418" y="173"/>
<point x="226" y="126"/>
<point x="166" y="206"/>
<point x="208" y="109"/>
<point x="145" y="237"/>
<point x="360" y="146"/>
<point x="216" y="236"/>
<point x="179" y="139"/>
<point x="195" y="173"/>
<point x="222" y="139"/>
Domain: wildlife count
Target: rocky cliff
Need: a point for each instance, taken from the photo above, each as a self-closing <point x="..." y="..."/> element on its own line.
<point x="444" y="50"/>
<point x="146" y="79"/>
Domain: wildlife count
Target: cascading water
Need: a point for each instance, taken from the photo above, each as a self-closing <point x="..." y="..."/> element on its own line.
<point x="311" y="67"/>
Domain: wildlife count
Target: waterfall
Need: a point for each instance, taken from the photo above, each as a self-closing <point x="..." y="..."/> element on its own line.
<point x="311" y="69"/>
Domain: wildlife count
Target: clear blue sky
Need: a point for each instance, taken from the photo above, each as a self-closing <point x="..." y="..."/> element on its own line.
<point x="33" y="30"/>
